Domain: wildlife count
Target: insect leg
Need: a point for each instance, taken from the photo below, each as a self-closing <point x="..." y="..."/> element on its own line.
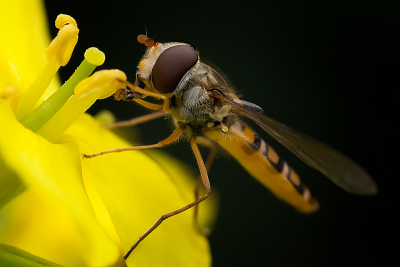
<point x="149" y="105"/>
<point x="211" y="156"/>
<point x="166" y="100"/>
<point x="211" y="146"/>
<point x="136" y="121"/>
<point x="207" y="186"/>
<point x="174" y="136"/>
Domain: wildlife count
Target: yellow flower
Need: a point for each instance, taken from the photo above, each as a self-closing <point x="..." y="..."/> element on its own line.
<point x="57" y="206"/>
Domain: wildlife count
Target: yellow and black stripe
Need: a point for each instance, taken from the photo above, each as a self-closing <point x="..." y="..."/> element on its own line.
<point x="264" y="164"/>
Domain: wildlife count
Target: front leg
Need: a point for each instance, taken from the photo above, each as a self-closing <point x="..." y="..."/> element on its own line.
<point x="124" y="94"/>
<point x="136" y="121"/>
<point x="211" y="156"/>
<point x="207" y="187"/>
<point x="174" y="136"/>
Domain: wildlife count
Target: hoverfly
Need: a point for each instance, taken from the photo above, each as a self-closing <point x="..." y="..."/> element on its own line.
<point x="204" y="107"/>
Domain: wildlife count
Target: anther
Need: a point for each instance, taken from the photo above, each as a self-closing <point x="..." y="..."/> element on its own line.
<point x="63" y="20"/>
<point x="58" y="54"/>
<point x="62" y="46"/>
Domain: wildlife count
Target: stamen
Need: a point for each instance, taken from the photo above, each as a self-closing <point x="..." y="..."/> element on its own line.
<point x="37" y="118"/>
<point x="105" y="81"/>
<point x="62" y="46"/>
<point x="100" y="85"/>
<point x="58" y="53"/>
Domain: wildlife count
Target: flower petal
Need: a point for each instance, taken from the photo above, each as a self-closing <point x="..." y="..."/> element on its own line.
<point x="10" y="184"/>
<point x="54" y="171"/>
<point x="11" y="256"/>
<point x="137" y="191"/>
<point x="23" y="43"/>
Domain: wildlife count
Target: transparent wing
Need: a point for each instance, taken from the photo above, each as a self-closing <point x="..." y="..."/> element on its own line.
<point x="342" y="170"/>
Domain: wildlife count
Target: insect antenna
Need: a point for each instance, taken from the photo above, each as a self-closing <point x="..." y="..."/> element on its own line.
<point x="144" y="39"/>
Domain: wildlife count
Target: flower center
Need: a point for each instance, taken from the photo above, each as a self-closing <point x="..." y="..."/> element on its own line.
<point x="54" y="115"/>
<point x="101" y="84"/>
<point x="42" y="114"/>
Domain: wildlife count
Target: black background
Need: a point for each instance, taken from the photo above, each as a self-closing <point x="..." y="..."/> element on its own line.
<point x="328" y="69"/>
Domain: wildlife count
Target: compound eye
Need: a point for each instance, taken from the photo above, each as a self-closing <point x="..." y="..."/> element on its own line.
<point x="171" y="66"/>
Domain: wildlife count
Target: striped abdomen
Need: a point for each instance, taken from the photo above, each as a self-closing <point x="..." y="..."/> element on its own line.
<point x="264" y="164"/>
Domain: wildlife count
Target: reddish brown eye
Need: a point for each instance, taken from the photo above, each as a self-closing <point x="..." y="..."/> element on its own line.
<point x="171" y="66"/>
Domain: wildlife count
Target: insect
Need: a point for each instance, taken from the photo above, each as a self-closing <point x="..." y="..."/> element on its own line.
<point x="205" y="108"/>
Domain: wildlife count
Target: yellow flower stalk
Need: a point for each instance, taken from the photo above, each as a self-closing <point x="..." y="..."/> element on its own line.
<point x="56" y="205"/>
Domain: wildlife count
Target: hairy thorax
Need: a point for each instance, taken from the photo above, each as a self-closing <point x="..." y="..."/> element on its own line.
<point x="194" y="104"/>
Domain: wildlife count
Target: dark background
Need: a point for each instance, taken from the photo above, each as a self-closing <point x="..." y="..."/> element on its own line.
<point x="328" y="69"/>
